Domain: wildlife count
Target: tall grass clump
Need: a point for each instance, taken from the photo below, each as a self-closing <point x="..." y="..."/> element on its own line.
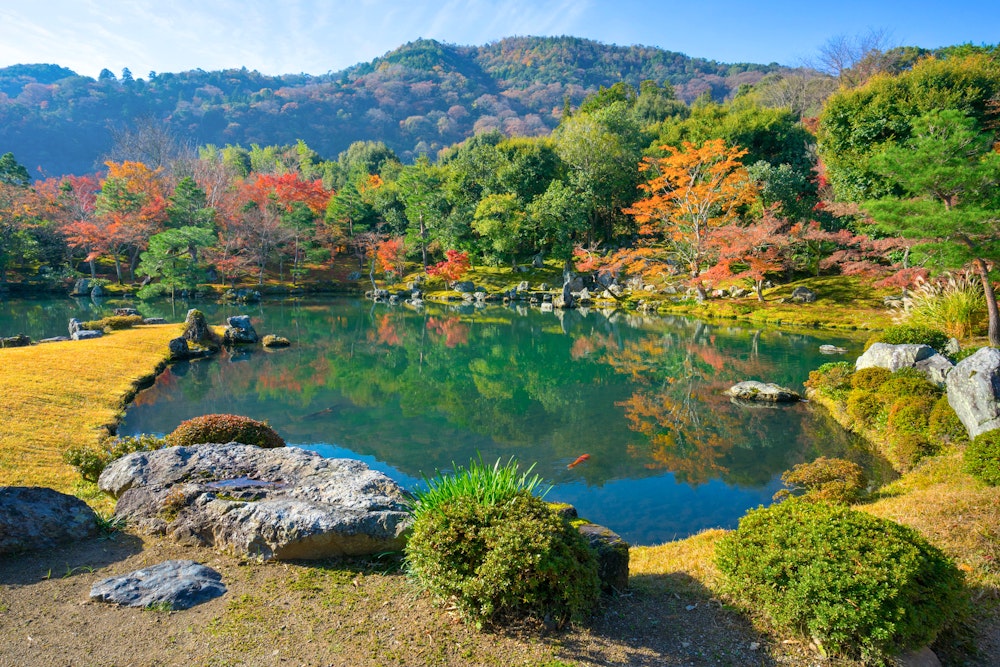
<point x="484" y="541"/>
<point x="954" y="304"/>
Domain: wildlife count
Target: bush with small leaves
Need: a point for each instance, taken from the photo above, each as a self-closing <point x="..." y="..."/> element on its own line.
<point x="90" y="461"/>
<point x="944" y="425"/>
<point x="982" y="457"/>
<point x="910" y="414"/>
<point x="832" y="379"/>
<point x="825" y="479"/>
<point x="482" y="539"/>
<point x="857" y="585"/>
<point x="909" y="334"/>
<point x="223" y="429"/>
<point x="907" y="449"/>
<point x="907" y="383"/>
<point x="865" y="408"/>
<point x="870" y="378"/>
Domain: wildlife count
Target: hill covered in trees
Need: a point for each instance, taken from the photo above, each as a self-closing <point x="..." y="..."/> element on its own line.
<point x="419" y="98"/>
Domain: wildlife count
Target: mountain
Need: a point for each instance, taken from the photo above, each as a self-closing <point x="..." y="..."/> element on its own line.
<point x="418" y="98"/>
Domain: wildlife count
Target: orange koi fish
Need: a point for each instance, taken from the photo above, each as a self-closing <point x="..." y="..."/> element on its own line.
<point x="580" y="459"/>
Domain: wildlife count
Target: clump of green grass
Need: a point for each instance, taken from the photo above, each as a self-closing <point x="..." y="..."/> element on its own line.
<point x="479" y="483"/>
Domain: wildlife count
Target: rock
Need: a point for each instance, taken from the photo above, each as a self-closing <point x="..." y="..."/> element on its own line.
<point x="894" y="357"/>
<point x="282" y="503"/>
<point x="74" y="325"/>
<point x="126" y="312"/>
<point x="803" y="295"/>
<point x="39" y="518"/>
<point x="20" y="340"/>
<point x="832" y="349"/>
<point x="751" y="390"/>
<point x="270" y="340"/>
<point x="925" y="657"/>
<point x="86" y="334"/>
<point x="565" y="300"/>
<point x="354" y="275"/>
<point x="463" y="286"/>
<point x="173" y="584"/>
<point x="952" y="347"/>
<point x="239" y="331"/>
<point x="612" y="556"/>
<point x="154" y="320"/>
<point x="575" y="283"/>
<point x="97" y="292"/>
<point x="523" y="286"/>
<point x="179" y="349"/>
<point x="538" y="261"/>
<point x="196" y="328"/>
<point x="55" y="339"/>
<point x="82" y="287"/>
<point x="544" y="287"/>
<point x="974" y="391"/>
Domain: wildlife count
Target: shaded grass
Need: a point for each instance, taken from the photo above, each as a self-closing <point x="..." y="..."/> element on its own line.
<point x="58" y="395"/>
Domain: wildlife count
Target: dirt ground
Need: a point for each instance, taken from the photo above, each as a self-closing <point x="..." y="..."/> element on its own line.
<point x="338" y="613"/>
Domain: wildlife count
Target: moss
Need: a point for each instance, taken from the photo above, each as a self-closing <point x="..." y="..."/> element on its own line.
<point x="982" y="458"/>
<point x="222" y="429"/>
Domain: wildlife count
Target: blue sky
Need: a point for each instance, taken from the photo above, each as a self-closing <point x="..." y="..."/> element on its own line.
<point x="317" y="36"/>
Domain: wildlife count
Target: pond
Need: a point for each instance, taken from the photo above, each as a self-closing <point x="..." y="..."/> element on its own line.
<point x="412" y="393"/>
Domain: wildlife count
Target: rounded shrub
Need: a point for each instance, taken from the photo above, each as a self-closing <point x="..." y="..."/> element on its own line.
<point x="912" y="334"/>
<point x="870" y="378"/>
<point x="944" y="425"/>
<point x="831" y="378"/>
<point x="858" y="585"/>
<point x="982" y="457"/>
<point x="910" y="414"/>
<point x="907" y="383"/>
<point x="113" y="322"/>
<point x="907" y="449"/>
<point x="222" y="429"/>
<point x="498" y="551"/>
<point x="864" y="407"/>
<point x="825" y="479"/>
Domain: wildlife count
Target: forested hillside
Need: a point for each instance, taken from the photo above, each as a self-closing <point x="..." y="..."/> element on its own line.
<point x="417" y="99"/>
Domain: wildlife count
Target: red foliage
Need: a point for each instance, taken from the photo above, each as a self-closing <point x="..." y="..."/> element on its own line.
<point x="453" y="268"/>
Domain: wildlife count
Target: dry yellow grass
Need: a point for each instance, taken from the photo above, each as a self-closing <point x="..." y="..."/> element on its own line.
<point x="57" y="395"/>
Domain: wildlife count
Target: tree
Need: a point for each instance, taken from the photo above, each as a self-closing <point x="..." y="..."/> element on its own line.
<point x="12" y="172"/>
<point x="171" y="259"/>
<point x="454" y="266"/>
<point x="689" y="192"/>
<point x="500" y="220"/>
<point x="949" y="175"/>
<point x="749" y="252"/>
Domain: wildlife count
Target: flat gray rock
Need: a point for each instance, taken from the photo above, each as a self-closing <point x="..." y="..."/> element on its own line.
<point x="38" y="518"/>
<point x="173" y="584"/>
<point x="284" y="503"/>
<point x="768" y="392"/>
<point x="924" y="358"/>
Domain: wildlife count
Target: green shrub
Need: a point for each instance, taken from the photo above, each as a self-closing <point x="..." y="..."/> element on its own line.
<point x="910" y="414"/>
<point x="944" y="425"/>
<point x="915" y="334"/>
<point x="91" y="461"/>
<point x="859" y="585"/>
<point x="870" y="378"/>
<point x="982" y="457"/>
<point x="113" y="323"/>
<point x="907" y="449"/>
<point x="865" y="408"/>
<point x="482" y="538"/>
<point x="832" y="378"/>
<point x="222" y="429"/>
<point x="908" y="383"/>
<point x="826" y="479"/>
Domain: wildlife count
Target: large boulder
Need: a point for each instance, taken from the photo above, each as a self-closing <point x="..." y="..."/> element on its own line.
<point x="611" y="552"/>
<point x="768" y="392"/>
<point x="803" y="294"/>
<point x="974" y="391"/>
<point x="39" y="518"/>
<point x="20" y="340"/>
<point x="924" y="358"/>
<point x="239" y="331"/>
<point x="173" y="584"/>
<point x="266" y="503"/>
<point x="86" y="334"/>
<point x="196" y="328"/>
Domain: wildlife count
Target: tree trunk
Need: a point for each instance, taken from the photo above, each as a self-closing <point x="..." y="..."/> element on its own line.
<point x="991" y="303"/>
<point x="423" y="242"/>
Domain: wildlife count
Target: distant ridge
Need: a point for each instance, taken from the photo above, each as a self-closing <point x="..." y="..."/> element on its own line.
<point x="417" y="98"/>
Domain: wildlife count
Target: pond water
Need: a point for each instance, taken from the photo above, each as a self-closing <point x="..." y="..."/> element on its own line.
<point x="412" y="393"/>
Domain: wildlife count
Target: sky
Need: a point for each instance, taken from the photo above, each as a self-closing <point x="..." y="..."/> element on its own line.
<point x="320" y="36"/>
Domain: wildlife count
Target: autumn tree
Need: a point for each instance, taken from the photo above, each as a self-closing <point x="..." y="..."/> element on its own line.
<point x="749" y="252"/>
<point x="690" y="191"/>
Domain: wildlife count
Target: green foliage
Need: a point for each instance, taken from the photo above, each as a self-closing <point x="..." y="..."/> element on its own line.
<point x="504" y="561"/>
<point x="870" y="378"/>
<point x="982" y="457"/>
<point x="90" y="461"/>
<point x="222" y="428"/>
<point x="910" y="334"/>
<point x="954" y="304"/>
<point x="832" y="379"/>
<point x="910" y="414"/>
<point x="825" y="479"/>
<point x="906" y="449"/>
<point x="479" y="483"/>
<point x="865" y="407"/>
<point x="943" y="425"/>
<point x="907" y="383"/>
<point x="113" y="323"/>
<point x="858" y="585"/>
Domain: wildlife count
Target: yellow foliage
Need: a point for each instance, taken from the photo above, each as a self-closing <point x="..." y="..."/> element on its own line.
<point x="58" y="395"/>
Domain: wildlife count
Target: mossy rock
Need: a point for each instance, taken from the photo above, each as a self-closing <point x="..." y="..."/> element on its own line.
<point x="270" y="340"/>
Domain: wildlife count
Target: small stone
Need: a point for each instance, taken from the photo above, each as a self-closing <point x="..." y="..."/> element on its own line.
<point x="691" y="607"/>
<point x="173" y="584"/>
<point x="754" y="646"/>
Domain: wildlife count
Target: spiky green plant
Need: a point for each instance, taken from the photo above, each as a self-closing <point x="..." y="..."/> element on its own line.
<point x="954" y="304"/>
